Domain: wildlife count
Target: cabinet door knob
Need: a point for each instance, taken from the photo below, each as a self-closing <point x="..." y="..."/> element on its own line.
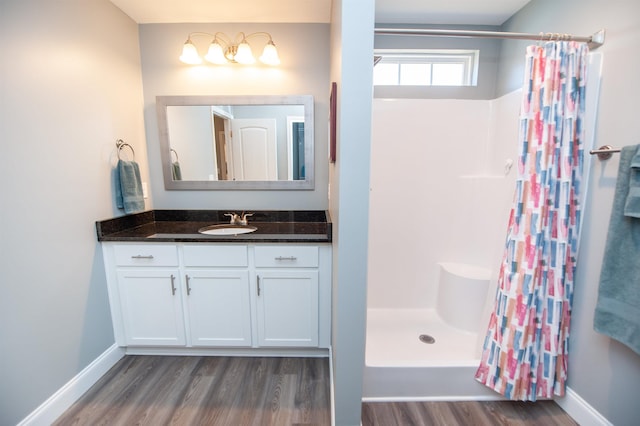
<point x="173" y="285"/>
<point x="186" y="280"/>
<point x="258" y="282"/>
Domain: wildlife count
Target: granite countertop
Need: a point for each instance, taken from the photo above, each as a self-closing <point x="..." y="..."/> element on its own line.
<point x="299" y="226"/>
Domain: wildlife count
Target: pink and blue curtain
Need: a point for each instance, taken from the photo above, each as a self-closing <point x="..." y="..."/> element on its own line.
<point x="525" y="351"/>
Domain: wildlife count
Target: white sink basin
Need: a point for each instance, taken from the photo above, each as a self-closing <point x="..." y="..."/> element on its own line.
<point x="227" y="229"/>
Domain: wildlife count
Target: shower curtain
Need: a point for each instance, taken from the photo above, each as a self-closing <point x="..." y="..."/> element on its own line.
<point x="525" y="350"/>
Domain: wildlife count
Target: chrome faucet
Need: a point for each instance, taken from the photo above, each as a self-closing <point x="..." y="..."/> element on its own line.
<point x="238" y="219"/>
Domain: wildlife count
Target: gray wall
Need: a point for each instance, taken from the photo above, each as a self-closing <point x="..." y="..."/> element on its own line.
<point x="352" y="69"/>
<point x="605" y="373"/>
<point x="487" y="66"/>
<point x="69" y="87"/>
<point x="304" y="52"/>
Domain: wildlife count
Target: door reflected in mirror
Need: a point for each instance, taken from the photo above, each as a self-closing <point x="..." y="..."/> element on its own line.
<point x="259" y="142"/>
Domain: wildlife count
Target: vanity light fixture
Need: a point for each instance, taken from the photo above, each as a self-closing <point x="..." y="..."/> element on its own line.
<point x="223" y="50"/>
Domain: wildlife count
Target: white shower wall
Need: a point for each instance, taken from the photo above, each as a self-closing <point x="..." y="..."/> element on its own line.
<point x="439" y="192"/>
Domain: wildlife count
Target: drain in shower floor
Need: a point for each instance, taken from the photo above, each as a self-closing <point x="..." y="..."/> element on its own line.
<point x="425" y="338"/>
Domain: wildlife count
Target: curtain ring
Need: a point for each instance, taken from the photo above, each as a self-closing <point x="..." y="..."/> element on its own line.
<point x="121" y="144"/>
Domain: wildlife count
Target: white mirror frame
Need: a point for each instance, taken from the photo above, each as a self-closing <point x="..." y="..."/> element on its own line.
<point x="165" y="154"/>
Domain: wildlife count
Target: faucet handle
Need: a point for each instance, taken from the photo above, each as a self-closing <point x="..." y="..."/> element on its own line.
<point x="242" y="219"/>
<point x="234" y="218"/>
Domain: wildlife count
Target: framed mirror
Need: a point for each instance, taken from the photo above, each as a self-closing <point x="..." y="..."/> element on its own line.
<point x="236" y="142"/>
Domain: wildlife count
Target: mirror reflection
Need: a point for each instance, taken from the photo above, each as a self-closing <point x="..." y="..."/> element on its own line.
<point x="259" y="142"/>
<point x="237" y="142"/>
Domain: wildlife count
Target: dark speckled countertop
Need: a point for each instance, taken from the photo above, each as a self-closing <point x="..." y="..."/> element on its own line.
<point x="298" y="226"/>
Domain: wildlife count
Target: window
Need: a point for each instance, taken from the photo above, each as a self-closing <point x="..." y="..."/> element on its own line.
<point x="426" y="68"/>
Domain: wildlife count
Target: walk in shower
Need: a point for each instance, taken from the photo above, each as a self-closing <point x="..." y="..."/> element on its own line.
<point x="442" y="183"/>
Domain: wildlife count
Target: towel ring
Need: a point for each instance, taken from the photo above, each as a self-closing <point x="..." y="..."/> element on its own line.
<point x="175" y="153"/>
<point x="121" y="144"/>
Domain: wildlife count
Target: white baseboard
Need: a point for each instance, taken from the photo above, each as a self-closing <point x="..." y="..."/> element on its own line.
<point x="60" y="401"/>
<point x="583" y="413"/>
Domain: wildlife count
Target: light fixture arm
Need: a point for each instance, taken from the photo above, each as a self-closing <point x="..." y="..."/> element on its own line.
<point x="259" y="33"/>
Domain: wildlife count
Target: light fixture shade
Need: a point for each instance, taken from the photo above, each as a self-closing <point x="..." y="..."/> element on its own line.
<point x="190" y="54"/>
<point x="244" y="54"/>
<point x="215" y="55"/>
<point x="270" y="54"/>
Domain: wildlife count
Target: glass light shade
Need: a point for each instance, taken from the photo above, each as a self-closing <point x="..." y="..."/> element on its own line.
<point x="270" y="54"/>
<point x="215" y="55"/>
<point x="244" y="54"/>
<point x="190" y="54"/>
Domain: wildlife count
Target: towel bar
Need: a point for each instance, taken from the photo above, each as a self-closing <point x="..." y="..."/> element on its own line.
<point x="604" y="152"/>
<point x="121" y="144"/>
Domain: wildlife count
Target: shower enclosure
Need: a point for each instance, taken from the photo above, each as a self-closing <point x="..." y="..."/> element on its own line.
<point x="442" y="185"/>
<point x="442" y="182"/>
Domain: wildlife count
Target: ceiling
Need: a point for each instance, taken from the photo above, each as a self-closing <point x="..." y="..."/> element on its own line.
<point x="460" y="12"/>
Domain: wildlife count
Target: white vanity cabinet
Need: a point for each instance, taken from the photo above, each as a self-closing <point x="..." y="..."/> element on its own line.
<point x="216" y="298"/>
<point x="217" y="295"/>
<point x="147" y="295"/>
<point x="287" y="295"/>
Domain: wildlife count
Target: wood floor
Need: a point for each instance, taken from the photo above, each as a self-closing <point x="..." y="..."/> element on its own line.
<point x="467" y="413"/>
<point x="244" y="391"/>
<point x="155" y="390"/>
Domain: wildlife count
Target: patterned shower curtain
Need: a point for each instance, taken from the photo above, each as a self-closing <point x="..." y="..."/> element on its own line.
<point x="525" y="349"/>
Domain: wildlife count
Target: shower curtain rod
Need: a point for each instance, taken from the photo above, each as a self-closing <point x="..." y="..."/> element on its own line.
<point x="595" y="40"/>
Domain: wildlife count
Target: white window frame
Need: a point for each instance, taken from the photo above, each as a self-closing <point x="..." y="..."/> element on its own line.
<point x="469" y="58"/>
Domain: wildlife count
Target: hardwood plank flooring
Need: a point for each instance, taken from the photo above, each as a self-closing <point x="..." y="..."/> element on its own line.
<point x="465" y="413"/>
<point x="190" y="390"/>
<point x="247" y="391"/>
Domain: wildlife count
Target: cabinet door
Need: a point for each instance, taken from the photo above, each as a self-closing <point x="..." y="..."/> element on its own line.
<point x="219" y="308"/>
<point x="287" y="307"/>
<point x="151" y="307"/>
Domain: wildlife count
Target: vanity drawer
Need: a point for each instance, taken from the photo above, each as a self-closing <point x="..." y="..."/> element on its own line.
<point x="218" y="255"/>
<point x="283" y="256"/>
<point x="145" y="255"/>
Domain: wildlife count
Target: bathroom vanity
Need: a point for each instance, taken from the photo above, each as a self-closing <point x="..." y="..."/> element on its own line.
<point x="173" y="290"/>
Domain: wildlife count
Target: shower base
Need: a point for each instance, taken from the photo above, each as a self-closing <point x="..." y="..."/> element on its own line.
<point x="400" y="366"/>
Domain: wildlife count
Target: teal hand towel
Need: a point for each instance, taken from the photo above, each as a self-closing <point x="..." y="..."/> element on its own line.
<point x="632" y="203"/>
<point x="176" y="173"/>
<point x="617" y="312"/>
<point x="128" y="187"/>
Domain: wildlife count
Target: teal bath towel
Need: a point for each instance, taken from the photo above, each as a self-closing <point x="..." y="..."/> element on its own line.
<point x="618" y="308"/>
<point x="128" y="187"/>
<point x="632" y="205"/>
